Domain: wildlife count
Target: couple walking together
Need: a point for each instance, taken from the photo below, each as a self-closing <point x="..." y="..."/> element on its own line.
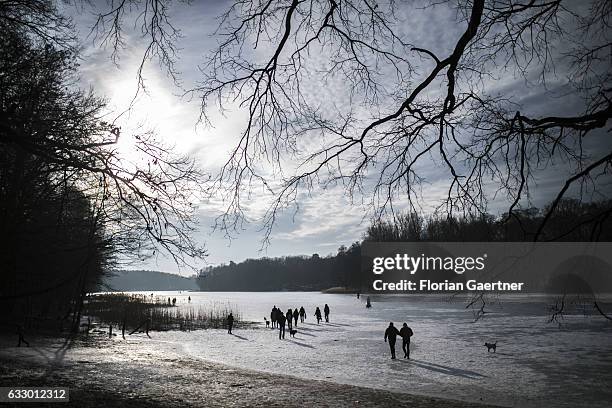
<point x="405" y="333"/>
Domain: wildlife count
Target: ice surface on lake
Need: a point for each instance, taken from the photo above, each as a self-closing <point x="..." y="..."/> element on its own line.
<point x="537" y="363"/>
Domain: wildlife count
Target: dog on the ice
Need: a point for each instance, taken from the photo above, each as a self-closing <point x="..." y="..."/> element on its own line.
<point x="267" y="322"/>
<point x="292" y="332"/>
<point x="491" y="346"/>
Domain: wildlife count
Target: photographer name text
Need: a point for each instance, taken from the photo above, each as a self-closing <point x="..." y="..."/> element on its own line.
<point x="427" y="285"/>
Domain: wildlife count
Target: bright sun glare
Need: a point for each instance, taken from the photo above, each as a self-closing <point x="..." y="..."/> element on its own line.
<point x="150" y="111"/>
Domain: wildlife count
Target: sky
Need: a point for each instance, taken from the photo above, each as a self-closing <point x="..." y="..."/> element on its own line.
<point x="326" y="218"/>
<point x="321" y="226"/>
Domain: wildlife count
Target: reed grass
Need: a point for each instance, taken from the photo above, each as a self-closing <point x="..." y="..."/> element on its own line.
<point x="135" y="309"/>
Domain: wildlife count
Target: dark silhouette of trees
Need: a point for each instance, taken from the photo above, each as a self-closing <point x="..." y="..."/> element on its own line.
<point x="299" y="273"/>
<point x="401" y="106"/>
<point x="396" y="108"/>
<point x="572" y="221"/>
<point x="399" y="103"/>
<point x="71" y="204"/>
<point x="344" y="268"/>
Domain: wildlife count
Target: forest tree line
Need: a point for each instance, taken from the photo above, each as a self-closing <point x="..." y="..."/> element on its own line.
<point x="72" y="206"/>
<point x="572" y="221"/>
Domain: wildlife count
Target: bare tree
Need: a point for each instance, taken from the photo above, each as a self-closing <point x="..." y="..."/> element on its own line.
<point x="144" y="205"/>
<point x="400" y="102"/>
<point x="73" y="205"/>
<point x="404" y="105"/>
<point x="152" y="19"/>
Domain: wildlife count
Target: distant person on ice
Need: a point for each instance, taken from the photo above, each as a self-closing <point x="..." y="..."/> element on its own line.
<point x="368" y="304"/>
<point x="296" y="314"/>
<point x="273" y="316"/>
<point x="21" y="336"/>
<point x="318" y="314"/>
<point x="406" y="333"/>
<point x="281" y="325"/>
<point x="326" y="312"/>
<point x="391" y="333"/>
<point x="302" y="314"/>
<point x="289" y="317"/>
<point x="230" y="322"/>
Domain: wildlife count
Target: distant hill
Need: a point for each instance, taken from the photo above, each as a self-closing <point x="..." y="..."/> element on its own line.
<point x="132" y="280"/>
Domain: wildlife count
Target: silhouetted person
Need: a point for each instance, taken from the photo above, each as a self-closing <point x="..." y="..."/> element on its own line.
<point x="391" y="333"/>
<point x="273" y="316"/>
<point x="318" y="314"/>
<point x="368" y="304"/>
<point x="230" y="323"/>
<point x="326" y="312"/>
<point x="296" y="314"/>
<point x="21" y="337"/>
<point x="302" y="314"/>
<point x="189" y="299"/>
<point x="169" y="301"/>
<point x="357" y="295"/>
<point x="281" y="325"/>
<point x="173" y="301"/>
<point x="289" y="317"/>
<point x="406" y="333"/>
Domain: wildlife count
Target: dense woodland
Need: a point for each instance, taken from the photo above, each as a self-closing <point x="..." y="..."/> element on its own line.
<point x="285" y="273"/>
<point x="71" y="206"/>
<point x="53" y="245"/>
<point x="573" y="221"/>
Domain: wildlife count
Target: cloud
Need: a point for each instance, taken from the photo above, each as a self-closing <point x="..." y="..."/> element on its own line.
<point x="327" y="217"/>
<point x="328" y="213"/>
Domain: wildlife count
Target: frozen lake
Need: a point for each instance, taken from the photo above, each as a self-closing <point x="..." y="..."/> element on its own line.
<point x="537" y="363"/>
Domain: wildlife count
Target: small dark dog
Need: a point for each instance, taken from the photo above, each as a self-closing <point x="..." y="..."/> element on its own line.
<point x="491" y="346"/>
<point x="267" y="322"/>
<point x="292" y="332"/>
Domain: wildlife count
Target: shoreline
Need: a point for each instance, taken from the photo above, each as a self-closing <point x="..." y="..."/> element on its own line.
<point x="140" y="373"/>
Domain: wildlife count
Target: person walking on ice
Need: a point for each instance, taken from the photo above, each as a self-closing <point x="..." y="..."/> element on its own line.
<point x="406" y="333"/>
<point x="391" y="333"/>
<point x="326" y="312"/>
<point x="296" y="314"/>
<point x="273" y="316"/>
<point x="302" y="314"/>
<point x="318" y="315"/>
<point x="230" y="323"/>
<point x="289" y="317"/>
<point x="280" y="321"/>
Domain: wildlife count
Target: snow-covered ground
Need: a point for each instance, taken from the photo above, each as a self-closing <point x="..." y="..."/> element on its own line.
<point x="537" y="363"/>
